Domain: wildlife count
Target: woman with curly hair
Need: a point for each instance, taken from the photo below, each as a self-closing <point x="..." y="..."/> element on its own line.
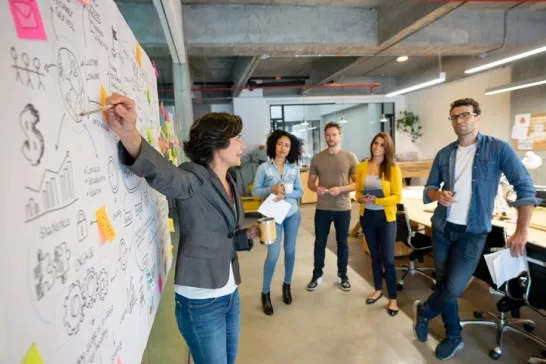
<point x="281" y="176"/>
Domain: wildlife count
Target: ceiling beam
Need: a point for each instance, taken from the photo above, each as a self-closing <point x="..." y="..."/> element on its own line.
<point x="242" y="71"/>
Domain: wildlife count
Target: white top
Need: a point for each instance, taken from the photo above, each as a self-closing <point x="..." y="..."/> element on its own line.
<point x="464" y="160"/>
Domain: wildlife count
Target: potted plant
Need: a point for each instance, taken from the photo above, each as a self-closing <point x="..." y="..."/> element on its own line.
<point x="409" y="123"/>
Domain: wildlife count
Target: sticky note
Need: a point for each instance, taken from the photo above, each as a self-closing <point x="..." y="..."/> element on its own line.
<point x="103" y="96"/>
<point x="171" y="155"/>
<point x="148" y="94"/>
<point x="149" y="133"/>
<point x="86" y="2"/>
<point x="171" y="225"/>
<point x="33" y="356"/>
<point x="104" y="224"/>
<point x="138" y="55"/>
<point x="27" y="19"/>
<point x="160" y="284"/>
<point x="118" y="361"/>
<point x="172" y="246"/>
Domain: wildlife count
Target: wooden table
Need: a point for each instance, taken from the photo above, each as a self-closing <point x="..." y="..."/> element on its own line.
<point x="412" y="169"/>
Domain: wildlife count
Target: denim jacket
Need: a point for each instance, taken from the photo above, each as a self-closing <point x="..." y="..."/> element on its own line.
<point x="493" y="156"/>
<point x="268" y="175"/>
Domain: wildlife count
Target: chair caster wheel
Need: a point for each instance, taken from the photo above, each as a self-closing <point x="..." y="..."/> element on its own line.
<point x="495" y="353"/>
<point x="399" y="286"/>
<point x="478" y="315"/>
<point x="528" y="327"/>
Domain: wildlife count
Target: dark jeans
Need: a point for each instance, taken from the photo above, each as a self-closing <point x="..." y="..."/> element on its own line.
<point x="323" y="220"/>
<point x="381" y="236"/>
<point x="456" y="256"/>
<point x="210" y="327"/>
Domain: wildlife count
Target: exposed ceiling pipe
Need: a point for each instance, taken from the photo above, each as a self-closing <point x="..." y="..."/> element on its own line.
<point x="371" y="85"/>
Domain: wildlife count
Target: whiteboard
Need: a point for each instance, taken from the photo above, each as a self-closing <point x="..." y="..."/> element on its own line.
<point x="85" y="244"/>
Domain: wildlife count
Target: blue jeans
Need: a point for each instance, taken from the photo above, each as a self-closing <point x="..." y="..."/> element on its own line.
<point x="210" y="327"/>
<point x="290" y="226"/>
<point x="380" y="237"/>
<point x="456" y="256"/>
<point x="323" y="220"/>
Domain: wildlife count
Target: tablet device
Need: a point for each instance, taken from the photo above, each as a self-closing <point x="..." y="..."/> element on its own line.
<point x="377" y="192"/>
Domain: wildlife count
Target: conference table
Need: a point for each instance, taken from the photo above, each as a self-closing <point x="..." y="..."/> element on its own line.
<point x="420" y="214"/>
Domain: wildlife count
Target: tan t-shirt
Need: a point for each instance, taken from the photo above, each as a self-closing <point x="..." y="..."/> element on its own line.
<point x="334" y="170"/>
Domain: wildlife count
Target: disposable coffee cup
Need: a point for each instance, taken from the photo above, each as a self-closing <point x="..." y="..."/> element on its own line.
<point x="288" y="187"/>
<point x="268" y="230"/>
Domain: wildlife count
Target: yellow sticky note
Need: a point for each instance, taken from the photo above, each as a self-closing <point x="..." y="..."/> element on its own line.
<point x="148" y="94"/>
<point x="33" y="356"/>
<point x="171" y="225"/>
<point x="171" y="155"/>
<point x="105" y="226"/>
<point x="103" y="96"/>
<point x="149" y="132"/>
<point x="138" y="55"/>
<point x="172" y="246"/>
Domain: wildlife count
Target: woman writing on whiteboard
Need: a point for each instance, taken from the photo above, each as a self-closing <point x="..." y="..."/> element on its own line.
<point x="210" y="218"/>
<point x="281" y="176"/>
<point x="379" y="190"/>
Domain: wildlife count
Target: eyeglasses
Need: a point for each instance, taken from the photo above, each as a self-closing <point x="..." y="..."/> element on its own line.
<point x="464" y="116"/>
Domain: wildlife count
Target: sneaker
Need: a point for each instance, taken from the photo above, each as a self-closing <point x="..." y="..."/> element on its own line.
<point x="314" y="283"/>
<point x="344" y="283"/>
<point x="449" y="347"/>
<point x="420" y="324"/>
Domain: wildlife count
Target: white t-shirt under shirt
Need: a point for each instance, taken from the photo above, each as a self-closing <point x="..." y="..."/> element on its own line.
<point x="464" y="160"/>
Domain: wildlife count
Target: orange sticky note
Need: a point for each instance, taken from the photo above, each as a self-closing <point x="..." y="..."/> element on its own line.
<point x="138" y="55"/>
<point x="33" y="356"/>
<point x="172" y="246"/>
<point x="104" y="224"/>
<point x="171" y="225"/>
<point x="103" y="96"/>
<point x="86" y="2"/>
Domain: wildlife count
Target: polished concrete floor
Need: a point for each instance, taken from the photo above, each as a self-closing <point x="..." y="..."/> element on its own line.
<point x="332" y="326"/>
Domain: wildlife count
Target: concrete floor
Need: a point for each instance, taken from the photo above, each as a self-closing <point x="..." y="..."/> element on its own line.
<point x="329" y="325"/>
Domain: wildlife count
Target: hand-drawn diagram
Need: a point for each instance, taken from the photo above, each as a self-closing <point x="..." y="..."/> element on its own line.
<point x="74" y="305"/>
<point x="113" y="176"/>
<point x="30" y="70"/>
<point x="55" y="191"/>
<point x="114" y="42"/>
<point x="33" y="146"/>
<point x="81" y="226"/>
<point x="123" y="254"/>
<point x="131" y="180"/>
<point x="71" y="83"/>
<point x="48" y="270"/>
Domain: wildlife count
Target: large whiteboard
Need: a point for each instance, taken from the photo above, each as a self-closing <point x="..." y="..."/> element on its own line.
<point x="85" y="244"/>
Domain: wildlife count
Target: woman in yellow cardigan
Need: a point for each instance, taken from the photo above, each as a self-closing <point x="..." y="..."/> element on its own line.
<point x="378" y="190"/>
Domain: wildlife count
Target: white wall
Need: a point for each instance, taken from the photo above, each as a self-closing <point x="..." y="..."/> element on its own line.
<point x="222" y="108"/>
<point x="254" y="112"/>
<point x="432" y="106"/>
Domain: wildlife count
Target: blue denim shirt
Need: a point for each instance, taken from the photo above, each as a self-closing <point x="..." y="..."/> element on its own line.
<point x="268" y="175"/>
<point x="493" y="156"/>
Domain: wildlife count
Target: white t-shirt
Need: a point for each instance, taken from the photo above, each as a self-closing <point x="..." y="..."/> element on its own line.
<point x="464" y="160"/>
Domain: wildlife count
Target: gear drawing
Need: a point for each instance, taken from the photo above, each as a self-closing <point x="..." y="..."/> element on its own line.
<point x="90" y="287"/>
<point x="74" y="304"/>
<point x="102" y="284"/>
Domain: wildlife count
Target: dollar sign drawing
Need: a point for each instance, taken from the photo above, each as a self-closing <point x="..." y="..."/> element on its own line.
<point x="33" y="147"/>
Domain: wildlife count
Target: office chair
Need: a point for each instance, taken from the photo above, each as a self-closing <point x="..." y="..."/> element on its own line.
<point x="535" y="296"/>
<point x="421" y="245"/>
<point x="513" y="300"/>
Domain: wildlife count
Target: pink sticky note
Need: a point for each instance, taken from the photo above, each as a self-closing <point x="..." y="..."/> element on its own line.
<point x="86" y="2"/>
<point x="27" y="18"/>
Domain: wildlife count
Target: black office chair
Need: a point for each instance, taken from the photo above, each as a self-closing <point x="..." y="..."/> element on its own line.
<point x="421" y="245"/>
<point x="535" y="297"/>
<point x="513" y="300"/>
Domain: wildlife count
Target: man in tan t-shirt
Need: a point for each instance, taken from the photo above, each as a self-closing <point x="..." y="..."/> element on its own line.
<point x="334" y="168"/>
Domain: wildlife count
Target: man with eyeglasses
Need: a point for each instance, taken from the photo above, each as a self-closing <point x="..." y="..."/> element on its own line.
<point x="464" y="180"/>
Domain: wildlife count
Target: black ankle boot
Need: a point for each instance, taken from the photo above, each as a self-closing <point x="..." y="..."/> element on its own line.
<point x="286" y="294"/>
<point x="266" y="304"/>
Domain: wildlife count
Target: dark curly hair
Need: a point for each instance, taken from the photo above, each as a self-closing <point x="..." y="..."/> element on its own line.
<point x="296" y="145"/>
<point x="209" y="133"/>
<point x="467" y="102"/>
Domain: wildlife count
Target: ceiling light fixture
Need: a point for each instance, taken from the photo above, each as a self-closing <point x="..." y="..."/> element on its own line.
<point x="402" y="58"/>
<point x="343" y="120"/>
<point x="516" y="85"/>
<point x="506" y="60"/>
<point x="383" y="119"/>
<point x="436" y="81"/>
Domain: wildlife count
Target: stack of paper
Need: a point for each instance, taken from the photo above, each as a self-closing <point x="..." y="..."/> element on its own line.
<point x="503" y="266"/>
<point x="277" y="210"/>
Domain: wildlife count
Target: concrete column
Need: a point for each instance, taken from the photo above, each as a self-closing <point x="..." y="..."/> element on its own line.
<point x="182" y="98"/>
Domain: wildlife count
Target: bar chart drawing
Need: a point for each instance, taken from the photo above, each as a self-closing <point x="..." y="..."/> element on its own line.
<point x="55" y="191"/>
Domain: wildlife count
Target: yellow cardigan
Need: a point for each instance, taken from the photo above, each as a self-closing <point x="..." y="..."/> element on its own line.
<point x="392" y="189"/>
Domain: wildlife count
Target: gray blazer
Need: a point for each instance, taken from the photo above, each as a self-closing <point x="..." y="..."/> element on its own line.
<point x="210" y="226"/>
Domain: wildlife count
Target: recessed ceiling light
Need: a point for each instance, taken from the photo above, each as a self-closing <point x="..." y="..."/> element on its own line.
<point x="402" y="58"/>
